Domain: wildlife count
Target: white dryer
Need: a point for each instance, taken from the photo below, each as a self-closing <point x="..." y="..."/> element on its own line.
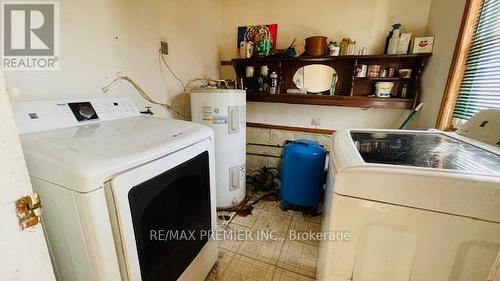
<point x="116" y="187"/>
<point x="417" y="205"/>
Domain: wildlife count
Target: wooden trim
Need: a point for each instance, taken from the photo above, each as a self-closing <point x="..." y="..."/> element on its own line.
<point x="264" y="155"/>
<point x="457" y="68"/>
<point x="351" y="101"/>
<point x="266" y="145"/>
<point x="290" y="128"/>
<point x="226" y="62"/>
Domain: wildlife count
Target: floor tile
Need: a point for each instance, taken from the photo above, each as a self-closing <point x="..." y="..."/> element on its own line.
<point x="231" y="243"/>
<point x="275" y="206"/>
<point x="224" y="218"/>
<point x="304" y="225"/>
<point x="245" y="269"/>
<point x="285" y="275"/>
<point x="299" y="257"/>
<point x="271" y="221"/>
<point x="315" y="219"/>
<point x="265" y="249"/>
<point x="267" y="258"/>
<point x="247" y="221"/>
<point x="223" y="261"/>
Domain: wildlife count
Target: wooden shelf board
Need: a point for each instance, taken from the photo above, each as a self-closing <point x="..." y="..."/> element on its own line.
<point x="352" y="101"/>
<point x="329" y="58"/>
<point x="380" y="79"/>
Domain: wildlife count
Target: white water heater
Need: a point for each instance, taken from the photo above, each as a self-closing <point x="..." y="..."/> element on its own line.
<point x="224" y="111"/>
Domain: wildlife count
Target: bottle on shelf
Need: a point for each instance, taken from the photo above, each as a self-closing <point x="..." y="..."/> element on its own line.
<point x="387" y="39"/>
<point x="392" y="46"/>
<point x="335" y="78"/>
<point x="344" y="45"/>
<point x="264" y="72"/>
<point x="273" y="88"/>
<point x="404" y="91"/>
<point x="351" y="48"/>
<point x="260" y="84"/>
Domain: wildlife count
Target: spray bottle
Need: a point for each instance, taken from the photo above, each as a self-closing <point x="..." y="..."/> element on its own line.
<point x="392" y="41"/>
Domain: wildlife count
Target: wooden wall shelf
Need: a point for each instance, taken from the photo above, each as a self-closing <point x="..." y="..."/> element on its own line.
<point x="330" y="58"/>
<point x="350" y="90"/>
<point x="354" y="101"/>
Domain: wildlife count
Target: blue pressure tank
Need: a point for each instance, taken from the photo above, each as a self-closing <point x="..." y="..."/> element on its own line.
<point x="303" y="174"/>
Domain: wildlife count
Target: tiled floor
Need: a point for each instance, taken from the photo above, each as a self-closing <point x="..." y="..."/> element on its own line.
<point x="277" y="259"/>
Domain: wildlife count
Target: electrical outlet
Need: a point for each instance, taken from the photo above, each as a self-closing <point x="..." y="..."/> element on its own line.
<point x="164" y="47"/>
<point x="315" y="121"/>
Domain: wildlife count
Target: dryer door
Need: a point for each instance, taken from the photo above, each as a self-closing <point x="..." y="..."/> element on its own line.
<point x="164" y="211"/>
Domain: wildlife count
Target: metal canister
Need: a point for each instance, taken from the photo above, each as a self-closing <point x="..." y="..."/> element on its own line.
<point x="361" y="70"/>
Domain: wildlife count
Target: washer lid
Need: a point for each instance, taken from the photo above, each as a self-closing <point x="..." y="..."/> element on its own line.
<point x="425" y="149"/>
<point x="433" y="171"/>
<point x="83" y="157"/>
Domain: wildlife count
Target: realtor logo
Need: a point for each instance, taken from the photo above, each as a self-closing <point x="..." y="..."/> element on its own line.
<point x="30" y="36"/>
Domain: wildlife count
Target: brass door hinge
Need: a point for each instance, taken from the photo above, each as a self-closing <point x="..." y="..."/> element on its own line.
<point x="29" y="209"/>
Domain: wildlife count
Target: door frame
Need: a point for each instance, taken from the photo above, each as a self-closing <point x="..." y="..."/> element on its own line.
<point x="24" y="253"/>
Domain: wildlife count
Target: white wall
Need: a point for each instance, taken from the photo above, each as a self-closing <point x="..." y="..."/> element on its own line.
<point x="102" y="37"/>
<point x="365" y="21"/>
<point x="332" y="117"/>
<point x="444" y="22"/>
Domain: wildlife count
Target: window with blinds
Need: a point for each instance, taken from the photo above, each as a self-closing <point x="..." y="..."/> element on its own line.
<point x="480" y="87"/>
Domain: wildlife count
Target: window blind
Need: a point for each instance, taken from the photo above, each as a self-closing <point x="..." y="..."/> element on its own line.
<point x="480" y="87"/>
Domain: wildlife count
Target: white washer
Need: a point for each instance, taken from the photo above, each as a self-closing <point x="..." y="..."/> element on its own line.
<point x="418" y="205"/>
<point x="112" y="181"/>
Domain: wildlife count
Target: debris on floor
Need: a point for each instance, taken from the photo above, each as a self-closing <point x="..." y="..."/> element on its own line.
<point x="279" y="258"/>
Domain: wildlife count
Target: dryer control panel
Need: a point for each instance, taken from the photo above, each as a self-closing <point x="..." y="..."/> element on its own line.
<point x="46" y="115"/>
<point x="83" y="111"/>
